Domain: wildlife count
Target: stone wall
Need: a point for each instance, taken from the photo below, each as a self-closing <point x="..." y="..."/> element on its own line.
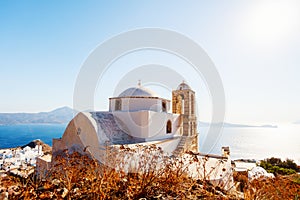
<point x="187" y="109"/>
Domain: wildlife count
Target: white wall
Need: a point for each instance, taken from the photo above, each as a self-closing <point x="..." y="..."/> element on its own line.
<point x="137" y="104"/>
<point x="158" y="125"/>
<point x="136" y="122"/>
<point x="148" y="124"/>
<point x="87" y="137"/>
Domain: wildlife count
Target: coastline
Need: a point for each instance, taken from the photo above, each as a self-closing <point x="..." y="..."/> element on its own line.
<point x="245" y="143"/>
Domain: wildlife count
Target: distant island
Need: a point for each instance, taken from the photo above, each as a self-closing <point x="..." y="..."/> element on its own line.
<point x="296" y="122"/>
<point x="58" y="116"/>
<point x="231" y="125"/>
<point x="64" y="114"/>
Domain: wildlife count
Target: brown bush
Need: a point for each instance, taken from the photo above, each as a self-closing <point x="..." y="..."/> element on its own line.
<point x="280" y="187"/>
<point x="242" y="179"/>
<point x="76" y="176"/>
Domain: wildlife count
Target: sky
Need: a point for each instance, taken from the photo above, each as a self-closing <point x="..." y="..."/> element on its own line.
<point x="254" y="45"/>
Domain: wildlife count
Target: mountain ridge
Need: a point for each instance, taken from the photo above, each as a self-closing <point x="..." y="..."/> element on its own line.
<point x="64" y="114"/>
<point x="57" y="116"/>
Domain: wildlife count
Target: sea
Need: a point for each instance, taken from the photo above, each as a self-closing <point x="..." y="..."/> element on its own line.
<point x="255" y="142"/>
<point x="19" y="135"/>
<point x="245" y="143"/>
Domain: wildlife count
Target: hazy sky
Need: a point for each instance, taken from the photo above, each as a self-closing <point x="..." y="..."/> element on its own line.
<point x="255" y="46"/>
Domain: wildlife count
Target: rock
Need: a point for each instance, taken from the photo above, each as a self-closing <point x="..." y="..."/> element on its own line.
<point x="12" y="190"/>
<point x="4" y="195"/>
<point x="55" y="182"/>
<point x="158" y="196"/>
<point x="76" y="192"/>
<point x="46" y="195"/>
<point x="3" y="175"/>
<point x="65" y="192"/>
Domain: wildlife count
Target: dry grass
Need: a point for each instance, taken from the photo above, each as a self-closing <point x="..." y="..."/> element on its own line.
<point x="277" y="188"/>
<point x="280" y="187"/>
<point x="80" y="177"/>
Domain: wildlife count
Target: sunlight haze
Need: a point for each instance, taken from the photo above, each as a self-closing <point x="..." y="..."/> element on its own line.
<point x="254" y="45"/>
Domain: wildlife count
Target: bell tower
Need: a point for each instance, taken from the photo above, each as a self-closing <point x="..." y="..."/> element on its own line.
<point x="183" y="102"/>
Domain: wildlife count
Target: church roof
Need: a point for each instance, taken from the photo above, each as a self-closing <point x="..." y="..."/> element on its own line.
<point x="183" y="86"/>
<point x="137" y="92"/>
<point x="114" y="128"/>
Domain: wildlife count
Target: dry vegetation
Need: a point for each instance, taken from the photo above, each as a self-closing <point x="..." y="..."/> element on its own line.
<point x="280" y="187"/>
<point x="79" y="177"/>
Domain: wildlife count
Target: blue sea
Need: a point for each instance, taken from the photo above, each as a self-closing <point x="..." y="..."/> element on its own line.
<point x="18" y="135"/>
<point x="250" y="143"/>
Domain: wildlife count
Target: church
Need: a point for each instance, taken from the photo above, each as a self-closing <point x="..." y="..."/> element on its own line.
<point x="136" y="116"/>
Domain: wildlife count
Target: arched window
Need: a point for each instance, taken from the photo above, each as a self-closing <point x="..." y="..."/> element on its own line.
<point x="169" y="127"/>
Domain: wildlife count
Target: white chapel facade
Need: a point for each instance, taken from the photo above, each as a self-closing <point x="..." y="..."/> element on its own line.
<point x="137" y="115"/>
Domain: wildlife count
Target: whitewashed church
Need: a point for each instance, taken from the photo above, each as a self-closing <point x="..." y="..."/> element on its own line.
<point x="139" y="116"/>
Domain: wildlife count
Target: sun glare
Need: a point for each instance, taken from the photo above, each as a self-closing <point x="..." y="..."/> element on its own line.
<point x="272" y="21"/>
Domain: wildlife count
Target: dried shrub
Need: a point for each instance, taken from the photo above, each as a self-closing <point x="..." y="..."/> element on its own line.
<point x="242" y="179"/>
<point x="153" y="176"/>
<point x="280" y="187"/>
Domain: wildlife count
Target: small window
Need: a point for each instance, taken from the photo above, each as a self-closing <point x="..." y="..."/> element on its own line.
<point x="78" y="131"/>
<point x="164" y="106"/>
<point x="169" y="127"/>
<point x="118" y="104"/>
